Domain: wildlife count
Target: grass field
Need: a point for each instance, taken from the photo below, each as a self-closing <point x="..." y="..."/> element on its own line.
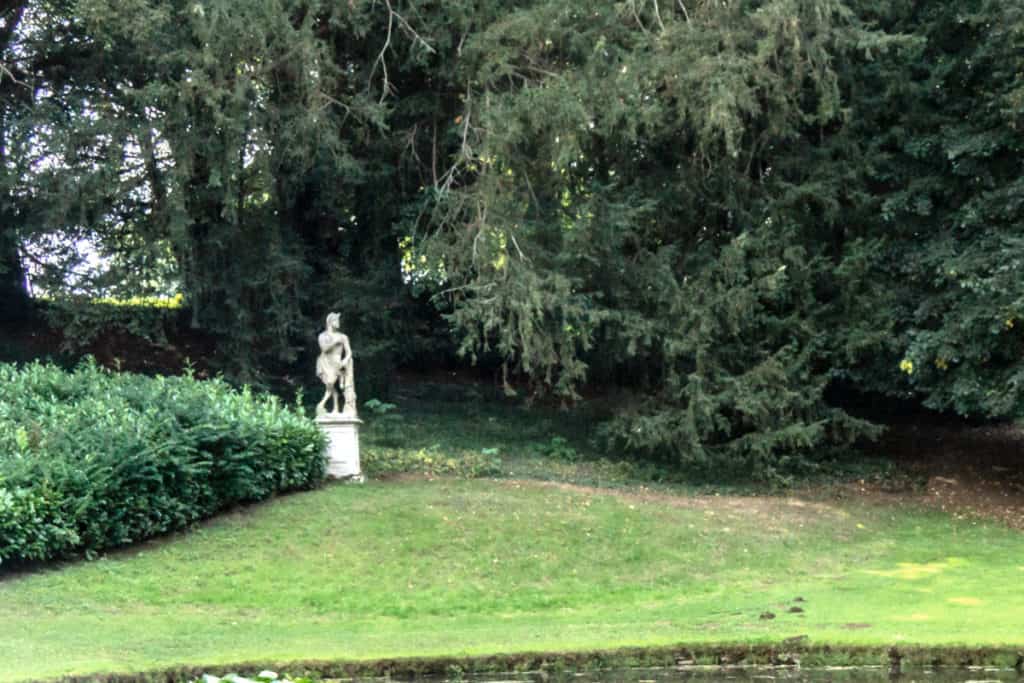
<point x="448" y="567"/>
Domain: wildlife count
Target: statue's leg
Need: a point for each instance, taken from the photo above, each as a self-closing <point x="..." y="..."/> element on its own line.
<point x="334" y="395"/>
<point x="321" y="407"/>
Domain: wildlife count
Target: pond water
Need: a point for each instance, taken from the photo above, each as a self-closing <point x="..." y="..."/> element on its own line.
<point x="716" y="674"/>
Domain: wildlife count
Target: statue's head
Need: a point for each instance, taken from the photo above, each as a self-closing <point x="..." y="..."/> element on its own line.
<point x="334" y="321"/>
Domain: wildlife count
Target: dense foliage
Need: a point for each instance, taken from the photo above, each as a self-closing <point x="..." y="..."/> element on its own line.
<point x="208" y="148"/>
<point x="92" y="460"/>
<point x="933" y="263"/>
<point x="721" y="209"/>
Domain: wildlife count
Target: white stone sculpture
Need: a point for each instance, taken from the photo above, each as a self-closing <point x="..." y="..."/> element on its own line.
<point x="334" y="367"/>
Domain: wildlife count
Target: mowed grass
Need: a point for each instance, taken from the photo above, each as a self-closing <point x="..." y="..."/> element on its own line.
<point x="455" y="567"/>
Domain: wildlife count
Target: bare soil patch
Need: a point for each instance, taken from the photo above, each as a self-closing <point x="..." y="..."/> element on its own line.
<point x="963" y="470"/>
<point x="774" y="511"/>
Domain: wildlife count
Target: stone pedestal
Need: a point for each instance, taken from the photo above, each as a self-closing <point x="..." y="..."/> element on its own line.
<point x="342" y="446"/>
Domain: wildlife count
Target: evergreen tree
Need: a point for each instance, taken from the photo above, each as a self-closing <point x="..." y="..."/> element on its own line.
<point x="934" y="270"/>
<point x="629" y="190"/>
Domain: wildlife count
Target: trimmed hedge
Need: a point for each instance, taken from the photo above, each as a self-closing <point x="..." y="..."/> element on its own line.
<point x="91" y="459"/>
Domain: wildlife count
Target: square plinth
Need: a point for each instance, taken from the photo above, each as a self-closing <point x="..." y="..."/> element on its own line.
<point x="342" y="446"/>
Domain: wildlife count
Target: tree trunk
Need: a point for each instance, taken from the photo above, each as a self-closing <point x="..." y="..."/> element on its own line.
<point x="15" y="304"/>
<point x="14" y="300"/>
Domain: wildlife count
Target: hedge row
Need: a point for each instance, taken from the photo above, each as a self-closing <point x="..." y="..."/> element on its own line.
<point x="91" y="459"/>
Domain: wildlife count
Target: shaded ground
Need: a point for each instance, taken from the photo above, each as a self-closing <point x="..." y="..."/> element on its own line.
<point x="959" y="469"/>
<point x="962" y="469"/>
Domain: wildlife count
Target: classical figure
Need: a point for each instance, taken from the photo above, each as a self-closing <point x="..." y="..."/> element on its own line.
<point x="334" y="367"/>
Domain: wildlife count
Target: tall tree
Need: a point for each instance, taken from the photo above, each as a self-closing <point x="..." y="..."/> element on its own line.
<point x="628" y="192"/>
<point x="14" y="302"/>
<point x="237" y="150"/>
<point x="932" y="271"/>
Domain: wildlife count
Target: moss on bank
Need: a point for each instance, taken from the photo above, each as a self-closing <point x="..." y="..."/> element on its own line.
<point x="554" y="663"/>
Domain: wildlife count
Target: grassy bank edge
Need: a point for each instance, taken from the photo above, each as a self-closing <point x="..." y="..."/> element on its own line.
<point x="592" y="660"/>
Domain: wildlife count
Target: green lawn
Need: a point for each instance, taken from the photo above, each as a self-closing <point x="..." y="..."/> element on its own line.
<point x="449" y="567"/>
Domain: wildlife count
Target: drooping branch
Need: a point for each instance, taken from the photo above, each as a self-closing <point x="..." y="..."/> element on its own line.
<point x="12" y="12"/>
<point x="686" y="15"/>
<point x="636" y="16"/>
<point x="381" y="60"/>
<point x="395" y="18"/>
<point x="464" y="150"/>
<point x="657" y="15"/>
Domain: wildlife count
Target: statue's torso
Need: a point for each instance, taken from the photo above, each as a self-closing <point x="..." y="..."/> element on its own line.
<point x="330" y="363"/>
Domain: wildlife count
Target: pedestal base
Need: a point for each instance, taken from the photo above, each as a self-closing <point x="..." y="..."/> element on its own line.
<point x="342" y="446"/>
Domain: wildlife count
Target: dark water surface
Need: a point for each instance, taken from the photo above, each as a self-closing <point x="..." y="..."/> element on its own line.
<point x="717" y="674"/>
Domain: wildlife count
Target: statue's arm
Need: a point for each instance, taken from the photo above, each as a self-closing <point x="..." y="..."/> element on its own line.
<point x="346" y="350"/>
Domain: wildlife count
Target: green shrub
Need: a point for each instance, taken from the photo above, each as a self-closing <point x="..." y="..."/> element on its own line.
<point x="83" y="320"/>
<point x="91" y="459"/>
<point x="558" y="447"/>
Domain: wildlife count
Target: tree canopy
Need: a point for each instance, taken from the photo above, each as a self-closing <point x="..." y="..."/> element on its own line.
<point x="722" y="209"/>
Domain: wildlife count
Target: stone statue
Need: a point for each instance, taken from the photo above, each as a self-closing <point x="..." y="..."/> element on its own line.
<point x="334" y="367"/>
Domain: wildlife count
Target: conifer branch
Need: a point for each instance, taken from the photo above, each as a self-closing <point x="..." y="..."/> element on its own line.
<point x="433" y="154"/>
<point x="465" y="122"/>
<point x="336" y="102"/>
<point x="529" y="186"/>
<point x="682" y="6"/>
<point x="481" y="221"/>
<point x="7" y="73"/>
<point x="385" y="86"/>
<point x="516" y="245"/>
<point x="407" y="27"/>
<point x="639" y="21"/>
<point x="393" y="18"/>
<point x="657" y="15"/>
<point x="464" y="150"/>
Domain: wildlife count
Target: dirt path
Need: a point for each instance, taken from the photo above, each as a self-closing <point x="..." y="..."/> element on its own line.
<point x="964" y="471"/>
<point x="794" y="505"/>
